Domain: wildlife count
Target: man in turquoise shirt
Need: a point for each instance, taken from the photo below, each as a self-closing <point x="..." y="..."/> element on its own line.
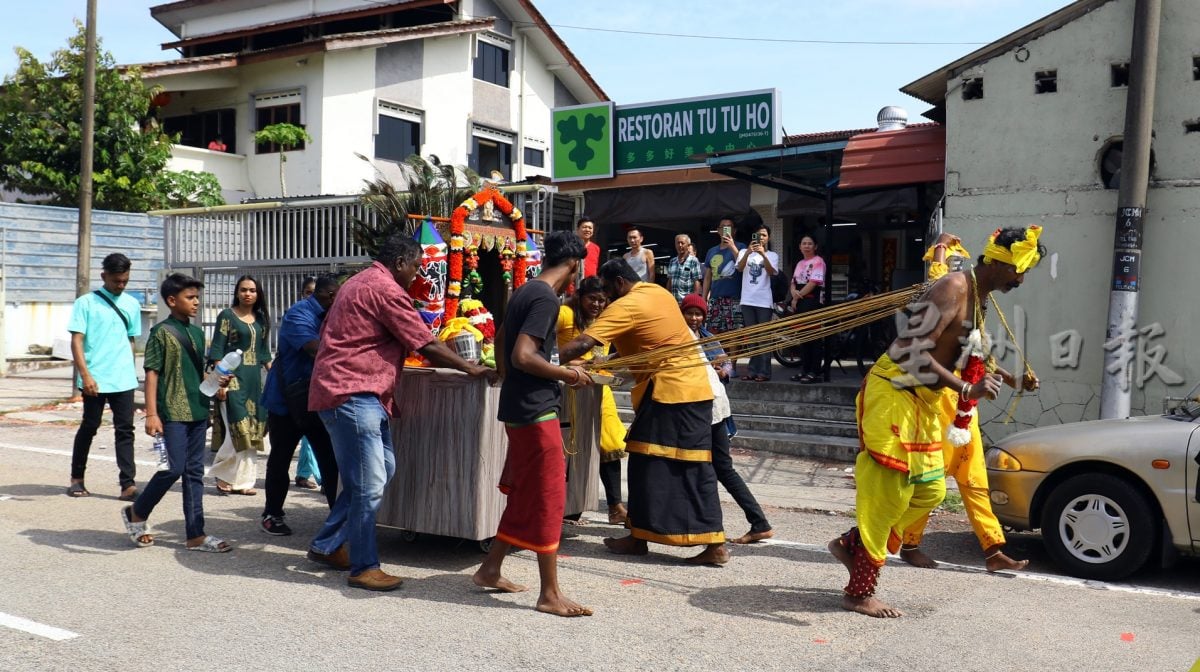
<point x="103" y="325"/>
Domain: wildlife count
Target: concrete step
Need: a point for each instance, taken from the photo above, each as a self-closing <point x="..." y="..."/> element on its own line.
<point x="779" y="409"/>
<point x="780" y="425"/>
<point x="837" y="448"/>
<point x="789" y="393"/>
<point x="788" y="409"/>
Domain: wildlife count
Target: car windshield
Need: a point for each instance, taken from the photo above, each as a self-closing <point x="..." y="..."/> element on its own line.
<point x="1188" y="406"/>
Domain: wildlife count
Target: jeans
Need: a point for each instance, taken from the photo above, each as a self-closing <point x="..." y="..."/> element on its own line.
<point x="732" y="481"/>
<point x="185" y="457"/>
<point x="285" y="434"/>
<point x="362" y="442"/>
<point x="760" y="365"/>
<point x="121" y="404"/>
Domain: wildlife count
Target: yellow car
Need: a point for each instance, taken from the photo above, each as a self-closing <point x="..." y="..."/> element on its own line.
<point x="1108" y="495"/>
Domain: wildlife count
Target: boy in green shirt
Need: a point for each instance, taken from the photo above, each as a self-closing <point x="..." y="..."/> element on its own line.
<point x="176" y="409"/>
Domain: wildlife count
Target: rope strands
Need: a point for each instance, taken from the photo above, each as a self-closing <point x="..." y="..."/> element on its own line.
<point x="770" y="336"/>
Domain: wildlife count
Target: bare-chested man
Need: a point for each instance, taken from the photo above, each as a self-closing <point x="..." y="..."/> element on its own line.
<point x="963" y="453"/>
<point x="900" y="472"/>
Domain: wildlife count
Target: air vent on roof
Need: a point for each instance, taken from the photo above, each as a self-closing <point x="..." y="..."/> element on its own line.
<point x="892" y="118"/>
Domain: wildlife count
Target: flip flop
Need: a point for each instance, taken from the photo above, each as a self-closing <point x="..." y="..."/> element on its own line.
<point x="136" y="530"/>
<point x="211" y="544"/>
<point x="249" y="492"/>
<point x="133" y="494"/>
<point x="76" y="489"/>
<point x="223" y="487"/>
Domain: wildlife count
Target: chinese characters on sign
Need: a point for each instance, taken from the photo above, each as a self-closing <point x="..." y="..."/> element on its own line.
<point x="1139" y="359"/>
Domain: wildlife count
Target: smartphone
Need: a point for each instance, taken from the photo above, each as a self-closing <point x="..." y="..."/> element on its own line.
<point x="754" y="238"/>
<point x="727" y="231"/>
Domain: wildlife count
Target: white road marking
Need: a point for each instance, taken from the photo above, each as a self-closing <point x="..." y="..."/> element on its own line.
<point x="1027" y="576"/>
<point x="35" y="628"/>
<point x="67" y="453"/>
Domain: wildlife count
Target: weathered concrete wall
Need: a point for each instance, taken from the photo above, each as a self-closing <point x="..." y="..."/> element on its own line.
<point x="1015" y="157"/>
<point x="40" y="245"/>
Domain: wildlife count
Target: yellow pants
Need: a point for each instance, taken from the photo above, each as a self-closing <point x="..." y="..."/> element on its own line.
<point x="965" y="464"/>
<point x="886" y="504"/>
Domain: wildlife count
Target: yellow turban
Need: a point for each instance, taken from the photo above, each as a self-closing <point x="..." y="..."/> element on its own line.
<point x="1023" y="254"/>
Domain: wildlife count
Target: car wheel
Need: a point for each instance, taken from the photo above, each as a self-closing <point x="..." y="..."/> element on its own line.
<point x="1098" y="526"/>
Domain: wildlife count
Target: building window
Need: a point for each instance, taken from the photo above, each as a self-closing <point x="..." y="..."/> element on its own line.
<point x="202" y="128"/>
<point x="1196" y="68"/>
<point x="276" y="108"/>
<point x="491" y="63"/>
<point x="399" y="133"/>
<point x="972" y="89"/>
<point x="491" y="151"/>
<point x="1045" y="81"/>
<point x="1119" y="74"/>
<point x="535" y="157"/>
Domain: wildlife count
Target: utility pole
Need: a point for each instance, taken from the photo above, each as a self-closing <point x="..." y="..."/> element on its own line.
<point x="83" y="262"/>
<point x="83" y="259"/>
<point x="1131" y="205"/>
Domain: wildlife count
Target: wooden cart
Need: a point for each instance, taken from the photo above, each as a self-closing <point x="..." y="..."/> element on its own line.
<point x="450" y="450"/>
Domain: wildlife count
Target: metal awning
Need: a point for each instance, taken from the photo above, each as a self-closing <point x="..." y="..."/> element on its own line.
<point x="803" y="169"/>
<point x="894" y="158"/>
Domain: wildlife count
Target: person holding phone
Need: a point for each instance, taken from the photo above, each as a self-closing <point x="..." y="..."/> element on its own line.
<point x="757" y="265"/>
<point x="721" y="286"/>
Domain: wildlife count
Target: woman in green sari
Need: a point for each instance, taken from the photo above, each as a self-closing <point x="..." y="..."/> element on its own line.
<point x="243" y="326"/>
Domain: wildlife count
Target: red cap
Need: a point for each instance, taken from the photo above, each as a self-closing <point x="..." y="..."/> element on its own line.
<point x="694" y="301"/>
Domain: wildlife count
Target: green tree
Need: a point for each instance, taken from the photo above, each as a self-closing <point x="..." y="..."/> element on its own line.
<point x="433" y="190"/>
<point x="188" y="189"/>
<point x="41" y="108"/>
<point x="284" y="136"/>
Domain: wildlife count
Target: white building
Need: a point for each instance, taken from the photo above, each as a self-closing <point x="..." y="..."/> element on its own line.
<point x="1034" y="124"/>
<point x="470" y="81"/>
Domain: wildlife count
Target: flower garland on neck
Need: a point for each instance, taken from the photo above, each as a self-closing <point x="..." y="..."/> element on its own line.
<point x="972" y="372"/>
<point x="458" y="226"/>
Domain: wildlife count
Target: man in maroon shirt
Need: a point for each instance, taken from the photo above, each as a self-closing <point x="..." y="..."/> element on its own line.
<point x="369" y="331"/>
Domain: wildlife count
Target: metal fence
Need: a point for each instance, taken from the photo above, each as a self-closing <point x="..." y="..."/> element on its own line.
<point x="280" y="243"/>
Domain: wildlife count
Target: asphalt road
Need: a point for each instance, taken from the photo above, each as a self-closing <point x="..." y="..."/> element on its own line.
<point x="77" y="596"/>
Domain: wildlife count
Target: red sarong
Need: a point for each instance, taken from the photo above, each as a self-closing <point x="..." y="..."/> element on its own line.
<point x="535" y="480"/>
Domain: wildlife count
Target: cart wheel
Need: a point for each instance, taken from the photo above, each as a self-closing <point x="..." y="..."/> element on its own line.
<point x="408" y="536"/>
<point x="485" y="545"/>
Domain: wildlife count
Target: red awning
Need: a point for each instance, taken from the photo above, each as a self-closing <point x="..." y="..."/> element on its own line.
<point x="886" y="158"/>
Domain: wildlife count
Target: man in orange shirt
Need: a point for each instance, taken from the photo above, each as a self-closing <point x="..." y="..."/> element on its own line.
<point x="672" y="484"/>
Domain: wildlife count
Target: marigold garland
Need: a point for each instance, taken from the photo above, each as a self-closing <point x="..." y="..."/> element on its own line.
<point x="458" y="225"/>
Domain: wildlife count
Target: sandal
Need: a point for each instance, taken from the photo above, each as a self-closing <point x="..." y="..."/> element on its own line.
<point x="223" y="487"/>
<point x="249" y="492"/>
<point x="129" y="494"/>
<point x="307" y="483"/>
<point x="136" y="531"/>
<point x="211" y="544"/>
<point x="798" y="378"/>
<point x="76" y="489"/>
<point x="747" y="377"/>
<point x="762" y="379"/>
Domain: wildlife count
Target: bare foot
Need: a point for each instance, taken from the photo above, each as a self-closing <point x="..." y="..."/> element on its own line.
<point x="617" y="515"/>
<point x="713" y="555"/>
<point x="843" y="554"/>
<point x="561" y="606"/>
<point x="917" y="558"/>
<point x="497" y="582"/>
<point x="626" y="546"/>
<point x="1000" y="561"/>
<point x="753" y="537"/>
<point x="870" y="606"/>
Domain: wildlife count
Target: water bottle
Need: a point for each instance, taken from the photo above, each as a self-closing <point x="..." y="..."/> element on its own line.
<point x="228" y="364"/>
<point x="160" y="449"/>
